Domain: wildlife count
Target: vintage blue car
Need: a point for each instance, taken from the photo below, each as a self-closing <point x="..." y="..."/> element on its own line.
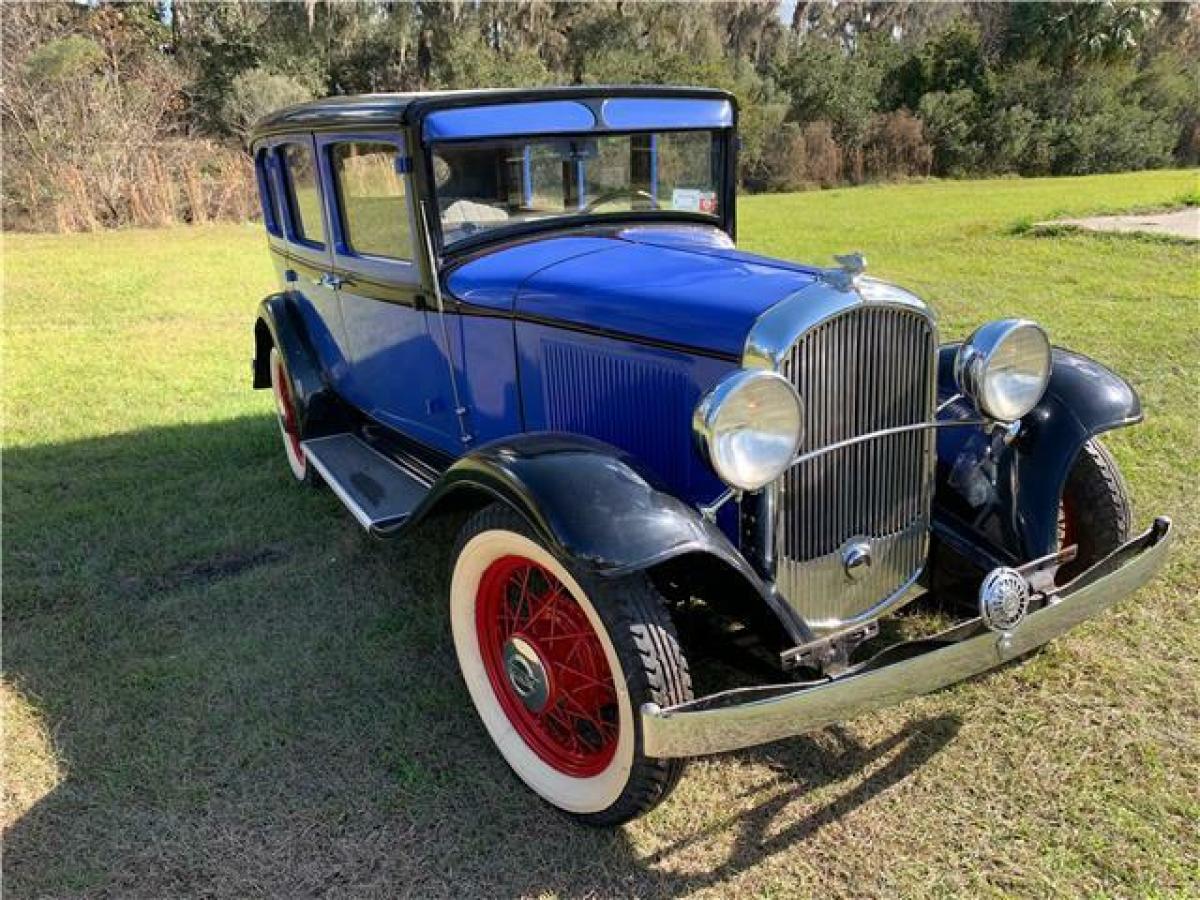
<point x="526" y="307"/>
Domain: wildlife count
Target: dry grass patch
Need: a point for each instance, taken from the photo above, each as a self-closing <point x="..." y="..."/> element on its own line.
<point x="31" y="766"/>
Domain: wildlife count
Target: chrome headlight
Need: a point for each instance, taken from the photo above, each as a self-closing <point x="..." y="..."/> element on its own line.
<point x="1004" y="367"/>
<point x="749" y="427"/>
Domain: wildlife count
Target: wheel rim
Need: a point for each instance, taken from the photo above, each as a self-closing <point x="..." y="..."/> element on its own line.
<point x="1068" y="535"/>
<point x="289" y="423"/>
<point x="1068" y="525"/>
<point x="547" y="666"/>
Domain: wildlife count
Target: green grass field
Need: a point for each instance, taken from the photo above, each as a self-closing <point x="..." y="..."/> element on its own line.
<point x="216" y="684"/>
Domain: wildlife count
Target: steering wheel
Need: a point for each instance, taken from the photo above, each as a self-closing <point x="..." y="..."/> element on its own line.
<point x="631" y="193"/>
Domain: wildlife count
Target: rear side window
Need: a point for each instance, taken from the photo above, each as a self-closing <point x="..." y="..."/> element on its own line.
<point x="266" y="194"/>
<point x="371" y="192"/>
<point x="304" y="195"/>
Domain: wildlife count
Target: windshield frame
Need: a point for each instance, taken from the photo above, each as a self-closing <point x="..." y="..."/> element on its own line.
<point x="727" y="190"/>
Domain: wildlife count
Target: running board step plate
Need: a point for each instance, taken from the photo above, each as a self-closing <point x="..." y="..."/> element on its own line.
<point x="377" y="490"/>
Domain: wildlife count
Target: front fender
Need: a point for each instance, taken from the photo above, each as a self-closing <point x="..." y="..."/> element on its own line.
<point x="594" y="507"/>
<point x="1083" y="399"/>
<point x="588" y="500"/>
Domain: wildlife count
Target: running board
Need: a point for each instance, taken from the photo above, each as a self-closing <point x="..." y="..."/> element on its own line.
<point x="379" y="492"/>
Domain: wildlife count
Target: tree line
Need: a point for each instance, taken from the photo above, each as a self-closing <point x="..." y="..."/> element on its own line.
<point x="136" y="113"/>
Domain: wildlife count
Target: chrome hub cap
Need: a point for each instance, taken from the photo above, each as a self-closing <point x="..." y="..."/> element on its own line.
<point x="526" y="673"/>
<point x="1003" y="599"/>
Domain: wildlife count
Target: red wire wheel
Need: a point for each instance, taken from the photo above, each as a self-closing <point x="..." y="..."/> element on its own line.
<point x="289" y="422"/>
<point x="1068" y="523"/>
<point x="547" y="666"/>
<point x="287" y="409"/>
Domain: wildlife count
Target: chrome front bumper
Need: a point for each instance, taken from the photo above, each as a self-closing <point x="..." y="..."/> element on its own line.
<point x="744" y="717"/>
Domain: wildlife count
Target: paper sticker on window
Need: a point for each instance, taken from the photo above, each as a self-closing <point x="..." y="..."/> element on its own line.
<point x="694" y="200"/>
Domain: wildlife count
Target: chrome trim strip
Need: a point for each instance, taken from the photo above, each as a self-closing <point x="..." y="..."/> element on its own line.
<point x="885" y="432"/>
<point x="779" y="327"/>
<point x="745" y="717"/>
<point x="415" y="468"/>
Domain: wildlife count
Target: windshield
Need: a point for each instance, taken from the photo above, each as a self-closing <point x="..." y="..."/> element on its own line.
<point x="487" y="185"/>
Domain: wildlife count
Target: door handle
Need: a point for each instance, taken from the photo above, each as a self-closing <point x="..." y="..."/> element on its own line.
<point x="328" y="280"/>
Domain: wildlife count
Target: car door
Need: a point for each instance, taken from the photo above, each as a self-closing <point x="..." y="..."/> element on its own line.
<point x="305" y="252"/>
<point x="402" y="374"/>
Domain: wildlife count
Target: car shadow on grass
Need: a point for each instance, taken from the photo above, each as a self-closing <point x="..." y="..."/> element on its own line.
<point x="247" y="696"/>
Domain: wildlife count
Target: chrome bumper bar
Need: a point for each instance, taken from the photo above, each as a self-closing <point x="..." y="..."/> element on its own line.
<point x="744" y="717"/>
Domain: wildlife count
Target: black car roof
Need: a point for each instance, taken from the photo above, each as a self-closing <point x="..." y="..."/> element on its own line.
<point x="382" y="110"/>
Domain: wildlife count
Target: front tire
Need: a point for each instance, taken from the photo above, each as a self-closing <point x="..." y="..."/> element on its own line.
<point x="558" y="665"/>
<point x="1095" y="512"/>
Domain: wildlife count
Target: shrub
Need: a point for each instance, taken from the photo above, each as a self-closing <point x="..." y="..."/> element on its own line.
<point x="62" y="59"/>
<point x="896" y="147"/>
<point x="951" y="123"/>
<point x="1169" y="83"/>
<point x="783" y="161"/>
<point x="827" y="84"/>
<point x="1102" y="119"/>
<point x="253" y="94"/>
<point x="797" y="157"/>
<point x="1103" y="126"/>
<point x="92" y="139"/>
<point x="1016" y="141"/>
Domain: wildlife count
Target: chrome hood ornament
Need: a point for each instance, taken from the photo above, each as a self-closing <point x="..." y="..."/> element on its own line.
<point x="853" y="264"/>
<point x="845" y="276"/>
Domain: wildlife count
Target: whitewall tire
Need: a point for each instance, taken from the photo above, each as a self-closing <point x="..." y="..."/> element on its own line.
<point x="287" y="416"/>
<point x="558" y="665"/>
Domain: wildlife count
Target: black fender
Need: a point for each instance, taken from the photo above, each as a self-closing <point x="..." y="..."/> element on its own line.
<point x="1083" y="399"/>
<point x="594" y="506"/>
<point x="279" y="324"/>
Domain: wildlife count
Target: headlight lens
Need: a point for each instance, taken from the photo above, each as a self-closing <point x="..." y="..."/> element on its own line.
<point x="749" y="427"/>
<point x="1004" y="367"/>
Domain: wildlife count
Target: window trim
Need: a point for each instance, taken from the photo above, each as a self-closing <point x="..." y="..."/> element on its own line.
<point x="293" y="226"/>
<point x="345" y="258"/>
<point x="266" y="191"/>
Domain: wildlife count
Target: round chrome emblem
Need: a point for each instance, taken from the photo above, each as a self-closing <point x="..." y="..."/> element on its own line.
<point x="526" y="674"/>
<point x="856" y="558"/>
<point x="1003" y="599"/>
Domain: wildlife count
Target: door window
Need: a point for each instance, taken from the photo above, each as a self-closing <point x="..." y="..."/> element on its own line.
<point x="304" y="196"/>
<point x="266" y="193"/>
<point x="371" y="193"/>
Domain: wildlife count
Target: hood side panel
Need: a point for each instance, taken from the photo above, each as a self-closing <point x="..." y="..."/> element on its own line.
<point x="629" y="395"/>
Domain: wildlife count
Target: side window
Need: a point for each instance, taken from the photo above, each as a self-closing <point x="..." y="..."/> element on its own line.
<point x="371" y="192"/>
<point x="304" y="195"/>
<point x="266" y="194"/>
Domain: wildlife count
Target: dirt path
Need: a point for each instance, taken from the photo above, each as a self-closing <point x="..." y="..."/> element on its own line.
<point x="1183" y="223"/>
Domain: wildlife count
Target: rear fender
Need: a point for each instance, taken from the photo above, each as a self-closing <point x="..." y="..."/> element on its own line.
<point x="279" y="325"/>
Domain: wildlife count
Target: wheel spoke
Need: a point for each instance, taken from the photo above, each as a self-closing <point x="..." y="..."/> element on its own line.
<point x="576" y="729"/>
<point x="594" y="681"/>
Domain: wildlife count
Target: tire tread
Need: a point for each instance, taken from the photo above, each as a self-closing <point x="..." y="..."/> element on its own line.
<point x="1101" y="504"/>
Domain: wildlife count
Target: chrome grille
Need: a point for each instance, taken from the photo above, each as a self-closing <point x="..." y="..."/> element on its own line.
<point x="864" y="370"/>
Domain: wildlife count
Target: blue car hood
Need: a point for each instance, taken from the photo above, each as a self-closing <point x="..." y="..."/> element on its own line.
<point x="680" y="286"/>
